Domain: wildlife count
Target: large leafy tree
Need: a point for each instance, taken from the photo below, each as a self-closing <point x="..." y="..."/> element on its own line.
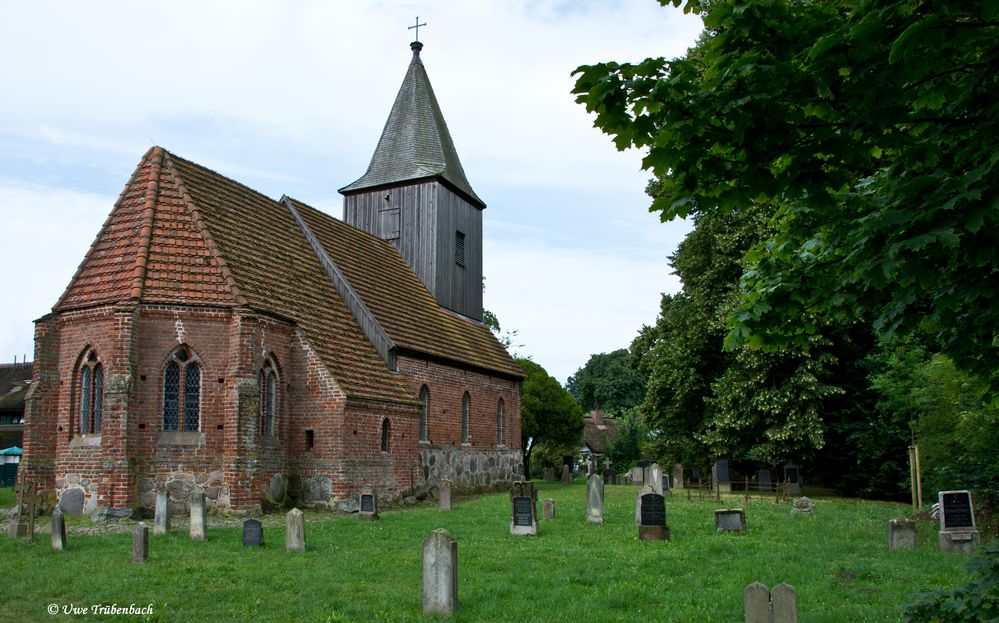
<point x="607" y="382"/>
<point x="870" y="126"/>
<point x="548" y="413"/>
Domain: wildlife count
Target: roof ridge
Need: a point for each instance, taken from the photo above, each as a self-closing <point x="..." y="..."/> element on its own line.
<point x="210" y="243"/>
<point x="146" y="224"/>
<point x="107" y="222"/>
<point x="369" y="324"/>
<point x="233" y="181"/>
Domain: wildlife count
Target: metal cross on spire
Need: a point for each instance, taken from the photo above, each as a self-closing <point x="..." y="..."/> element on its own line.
<point x="417" y="27"/>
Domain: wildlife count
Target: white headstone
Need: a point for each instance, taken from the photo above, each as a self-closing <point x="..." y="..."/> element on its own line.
<point x="440" y="573"/>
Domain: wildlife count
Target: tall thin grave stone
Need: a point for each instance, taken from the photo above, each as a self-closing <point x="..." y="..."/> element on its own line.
<point x="58" y="531"/>
<point x="199" y="522"/>
<point x="678" y="476"/>
<point x="595" y="499"/>
<point x="294" y="531"/>
<point x="161" y="517"/>
<point x="721" y="476"/>
<point x="566" y="475"/>
<point x="958" y="531"/>
<point x="440" y="573"/>
<point x="523" y="500"/>
<point x="444" y="495"/>
<point x="792" y="476"/>
<point x="140" y="543"/>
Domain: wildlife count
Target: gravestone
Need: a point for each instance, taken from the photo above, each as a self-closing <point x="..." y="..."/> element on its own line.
<point x="763" y="480"/>
<point x="58" y="531"/>
<point x="644" y="463"/>
<point x="802" y="506"/>
<point x="440" y="573"/>
<point x="566" y="475"/>
<point x="762" y="605"/>
<point x="678" y="476"/>
<point x="199" y="523"/>
<point x="591" y="466"/>
<point x="367" y="504"/>
<point x="595" y="499"/>
<point x="637" y="475"/>
<point x="610" y="476"/>
<point x="901" y="534"/>
<point x="958" y="531"/>
<point x="523" y="499"/>
<point x="652" y="515"/>
<point x="140" y="543"/>
<point x="654" y="476"/>
<point x="730" y="520"/>
<point x="444" y="495"/>
<point x="549" y="474"/>
<point x="548" y="507"/>
<point x="161" y="518"/>
<point x="294" y="531"/>
<point x="253" y="533"/>
<point x="721" y="476"/>
<point x="695" y="475"/>
<point x="792" y="476"/>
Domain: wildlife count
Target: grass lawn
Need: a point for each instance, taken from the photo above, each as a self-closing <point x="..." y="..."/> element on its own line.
<point x="837" y="560"/>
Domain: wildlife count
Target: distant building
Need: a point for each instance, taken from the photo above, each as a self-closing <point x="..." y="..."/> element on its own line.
<point x="15" y="381"/>
<point x="271" y="353"/>
<point x="598" y="433"/>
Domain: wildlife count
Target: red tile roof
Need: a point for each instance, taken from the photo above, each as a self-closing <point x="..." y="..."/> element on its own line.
<point x="183" y="234"/>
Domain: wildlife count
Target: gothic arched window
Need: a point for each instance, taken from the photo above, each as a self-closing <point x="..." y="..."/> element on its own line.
<point x="466" y="406"/>
<point x="499" y="423"/>
<point x="91" y="405"/>
<point x="267" y="384"/>
<point x="424" y="409"/>
<point x="182" y="386"/>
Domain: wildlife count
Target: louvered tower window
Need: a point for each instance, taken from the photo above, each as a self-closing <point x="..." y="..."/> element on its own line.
<point x="459" y="248"/>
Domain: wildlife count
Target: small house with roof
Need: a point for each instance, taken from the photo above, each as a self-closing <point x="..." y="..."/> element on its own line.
<point x="268" y="352"/>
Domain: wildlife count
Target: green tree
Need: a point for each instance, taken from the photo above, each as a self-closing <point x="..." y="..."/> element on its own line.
<point x="548" y="413"/>
<point x="607" y="382"/>
<point x="630" y="437"/>
<point x="870" y="126"/>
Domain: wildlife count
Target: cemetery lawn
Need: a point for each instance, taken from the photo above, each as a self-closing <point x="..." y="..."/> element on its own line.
<point x="837" y="559"/>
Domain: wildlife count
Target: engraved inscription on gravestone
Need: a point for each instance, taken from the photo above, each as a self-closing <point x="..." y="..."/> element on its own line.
<point x="367" y="503"/>
<point x="956" y="506"/>
<point x="253" y="533"/>
<point x="522" y="511"/>
<point x="653" y="510"/>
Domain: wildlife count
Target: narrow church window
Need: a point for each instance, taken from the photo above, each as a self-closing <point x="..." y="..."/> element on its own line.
<point x="466" y="404"/>
<point x="459" y="248"/>
<point x="499" y="423"/>
<point x="424" y="408"/>
<point x="182" y="385"/>
<point x="91" y="395"/>
<point x="386" y="426"/>
<point x="267" y="385"/>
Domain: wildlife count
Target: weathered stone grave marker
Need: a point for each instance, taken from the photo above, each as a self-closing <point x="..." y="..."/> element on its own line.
<point x="802" y="506"/>
<point x="367" y="504"/>
<point x="610" y="476"/>
<point x="294" y="531"/>
<point x="199" y="522"/>
<point x="140" y="543"/>
<point x="58" y="531"/>
<point x="792" y="476"/>
<point x="654" y="476"/>
<point x="958" y="531"/>
<point x="253" y="533"/>
<point x="523" y="498"/>
<point x="901" y="533"/>
<point x="549" y="509"/>
<point x="763" y="480"/>
<point x="566" y="475"/>
<point x="678" y="476"/>
<point x="763" y="605"/>
<point x="444" y="495"/>
<point x="23" y="526"/>
<point x="730" y="520"/>
<point x="637" y="475"/>
<point x="161" y="517"/>
<point x="652" y="516"/>
<point x="595" y="499"/>
<point x="440" y="573"/>
<point x="721" y="477"/>
<point x="549" y="474"/>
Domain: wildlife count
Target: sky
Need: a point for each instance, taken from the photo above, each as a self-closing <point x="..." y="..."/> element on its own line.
<point x="291" y="97"/>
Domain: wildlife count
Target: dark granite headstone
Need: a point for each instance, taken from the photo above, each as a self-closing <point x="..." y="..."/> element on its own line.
<point x="253" y="533"/>
<point x="956" y="510"/>
<point x="644" y="464"/>
<point x="653" y="510"/>
<point x="610" y="476"/>
<point x="523" y="500"/>
<point x="721" y="471"/>
<point x="367" y="503"/>
<point x="522" y="511"/>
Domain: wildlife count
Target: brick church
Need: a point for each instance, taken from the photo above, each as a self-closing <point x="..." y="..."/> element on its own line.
<point x="272" y="354"/>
